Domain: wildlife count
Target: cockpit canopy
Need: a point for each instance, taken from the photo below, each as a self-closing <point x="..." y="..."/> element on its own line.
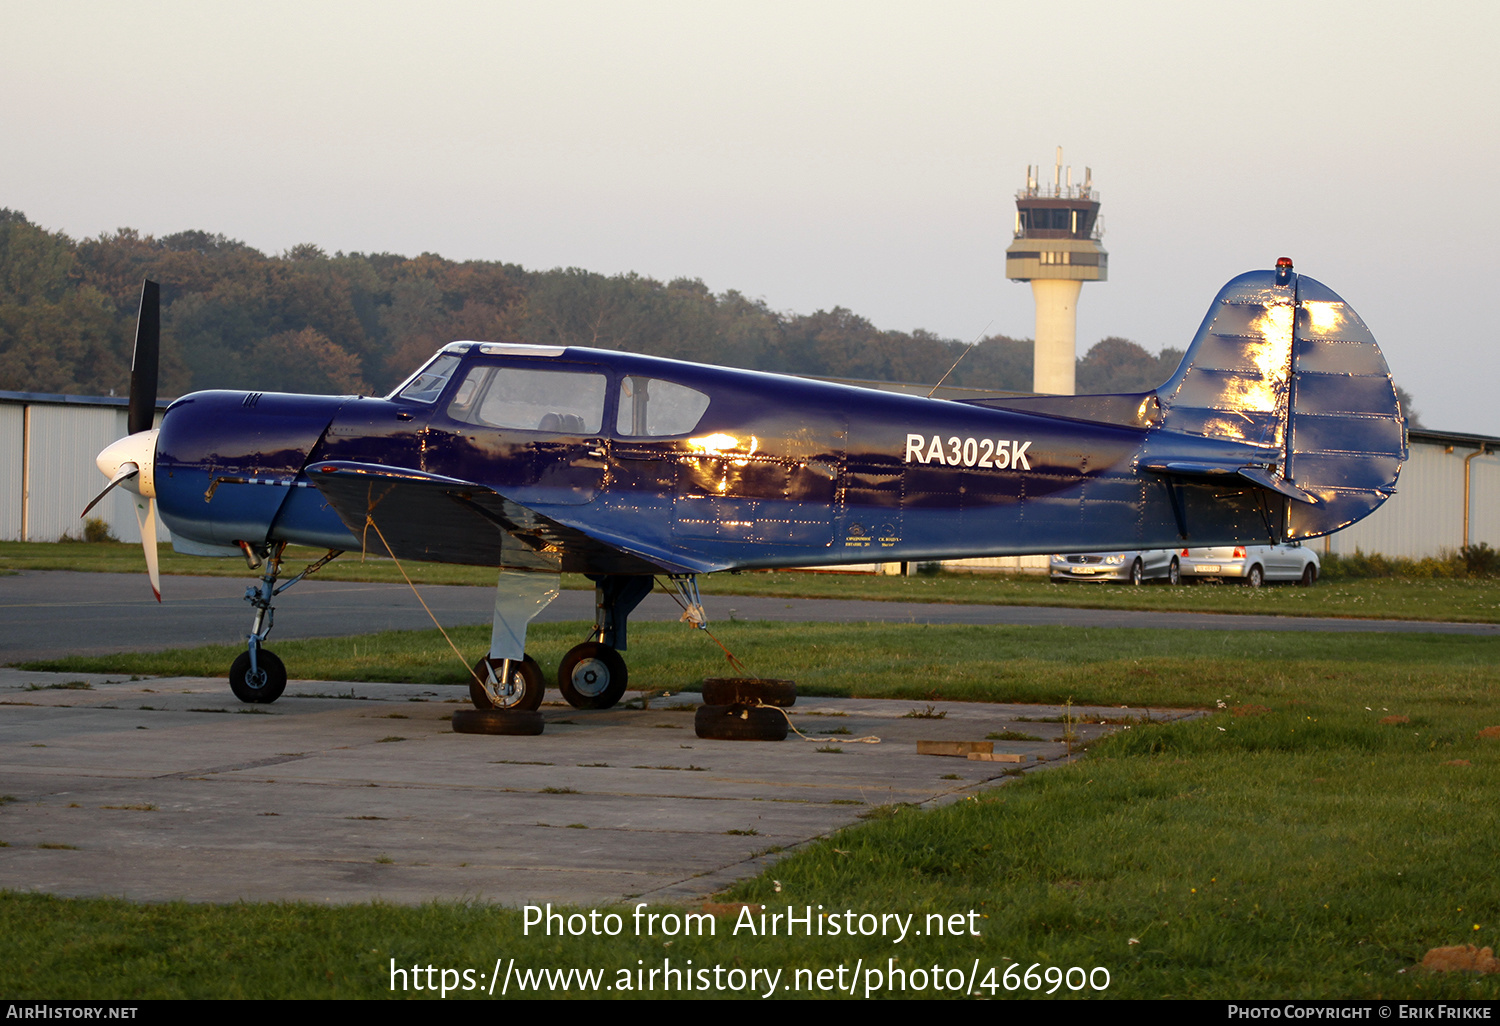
<point x="568" y="399"/>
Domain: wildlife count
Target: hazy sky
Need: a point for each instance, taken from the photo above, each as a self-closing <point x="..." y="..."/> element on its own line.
<point x="812" y="154"/>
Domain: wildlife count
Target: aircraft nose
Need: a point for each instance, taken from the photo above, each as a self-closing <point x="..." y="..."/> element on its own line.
<point x="138" y="450"/>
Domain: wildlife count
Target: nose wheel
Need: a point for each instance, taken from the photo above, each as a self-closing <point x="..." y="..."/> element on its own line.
<point x="592" y="676"/>
<point x="264" y="682"/>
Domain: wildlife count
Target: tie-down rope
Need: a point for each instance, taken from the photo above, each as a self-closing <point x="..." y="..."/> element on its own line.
<point x="370" y="522"/>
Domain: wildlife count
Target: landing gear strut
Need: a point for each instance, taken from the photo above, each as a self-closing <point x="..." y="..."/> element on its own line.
<point x="507" y="685"/>
<point x="257" y="675"/>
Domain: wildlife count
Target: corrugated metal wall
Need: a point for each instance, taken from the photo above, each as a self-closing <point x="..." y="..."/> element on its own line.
<point x="1484" y="500"/>
<point x="12" y="420"/>
<point x="47" y="471"/>
<point x="1426" y="515"/>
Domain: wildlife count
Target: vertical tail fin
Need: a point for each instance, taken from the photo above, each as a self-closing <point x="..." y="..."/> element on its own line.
<point x="1287" y="375"/>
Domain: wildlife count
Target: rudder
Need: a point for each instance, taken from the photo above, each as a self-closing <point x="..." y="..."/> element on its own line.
<point x="1282" y="365"/>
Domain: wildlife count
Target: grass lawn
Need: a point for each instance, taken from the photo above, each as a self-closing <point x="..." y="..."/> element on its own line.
<point x="120" y="558"/>
<point x="1103" y="666"/>
<point x="1332" y="820"/>
<point x="1462" y="600"/>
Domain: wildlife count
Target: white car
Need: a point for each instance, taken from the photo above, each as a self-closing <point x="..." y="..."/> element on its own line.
<point x="1123" y="567"/>
<point x="1253" y="564"/>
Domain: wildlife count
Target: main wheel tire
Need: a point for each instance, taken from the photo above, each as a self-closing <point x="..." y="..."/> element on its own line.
<point x="739" y="723"/>
<point x="514" y="722"/>
<point x="1256" y="577"/>
<point x="1174" y="573"/>
<point x="527" y="686"/>
<point x="265" y="685"/>
<point x="592" y="676"/>
<point x="749" y="691"/>
<point x="1137" y="572"/>
<point x="1309" y="576"/>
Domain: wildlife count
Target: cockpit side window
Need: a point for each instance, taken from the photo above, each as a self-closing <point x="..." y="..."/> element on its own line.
<point x="427" y="384"/>
<point x="565" y="402"/>
<point x="652" y="407"/>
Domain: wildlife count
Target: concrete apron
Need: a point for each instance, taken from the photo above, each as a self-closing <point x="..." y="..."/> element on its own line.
<point x="171" y="789"/>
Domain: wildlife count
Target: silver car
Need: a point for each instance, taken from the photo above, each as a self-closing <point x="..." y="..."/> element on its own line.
<point x="1123" y="567"/>
<point x="1253" y="565"/>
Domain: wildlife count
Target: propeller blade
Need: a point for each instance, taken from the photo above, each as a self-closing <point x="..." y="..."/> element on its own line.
<point x="125" y="473"/>
<point x="145" y="515"/>
<point x="143" y="366"/>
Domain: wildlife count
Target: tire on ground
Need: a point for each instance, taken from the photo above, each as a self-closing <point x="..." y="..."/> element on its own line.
<point x="748" y="691"/>
<point x="739" y="723"/>
<point x="592" y="676"/>
<point x="264" y="687"/>
<point x="530" y="697"/>
<point x="515" y="722"/>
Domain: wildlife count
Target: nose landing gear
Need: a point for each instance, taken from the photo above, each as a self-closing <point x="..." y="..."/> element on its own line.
<point x="257" y="675"/>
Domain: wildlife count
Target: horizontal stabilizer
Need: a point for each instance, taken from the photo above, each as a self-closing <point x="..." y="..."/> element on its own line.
<point x="1224" y="470"/>
<point x="1277" y="483"/>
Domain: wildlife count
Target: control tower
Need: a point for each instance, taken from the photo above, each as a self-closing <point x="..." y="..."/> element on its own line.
<point x="1057" y="249"/>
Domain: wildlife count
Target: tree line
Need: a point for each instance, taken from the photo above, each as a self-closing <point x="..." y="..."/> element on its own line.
<point x="305" y="321"/>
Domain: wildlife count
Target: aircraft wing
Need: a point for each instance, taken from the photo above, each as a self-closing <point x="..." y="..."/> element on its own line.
<point x="446" y="520"/>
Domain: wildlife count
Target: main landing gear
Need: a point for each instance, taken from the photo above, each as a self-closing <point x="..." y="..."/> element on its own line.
<point x="507" y="684"/>
<point x="506" y="694"/>
<point x="593" y="675"/>
<point x="257" y="675"/>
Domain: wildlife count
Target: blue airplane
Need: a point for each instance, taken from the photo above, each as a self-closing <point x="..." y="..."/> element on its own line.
<point x="1281" y="423"/>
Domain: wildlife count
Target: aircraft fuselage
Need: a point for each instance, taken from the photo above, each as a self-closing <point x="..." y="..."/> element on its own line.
<point x="773" y="471"/>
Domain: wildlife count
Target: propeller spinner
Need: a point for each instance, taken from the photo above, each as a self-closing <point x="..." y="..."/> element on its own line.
<point x="131" y="461"/>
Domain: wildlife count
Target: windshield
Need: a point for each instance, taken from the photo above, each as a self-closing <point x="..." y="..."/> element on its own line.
<point x="427" y="384"/>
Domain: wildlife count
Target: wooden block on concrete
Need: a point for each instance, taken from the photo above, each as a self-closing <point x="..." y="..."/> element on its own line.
<point x="959" y="749"/>
<point x="996" y="757"/>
